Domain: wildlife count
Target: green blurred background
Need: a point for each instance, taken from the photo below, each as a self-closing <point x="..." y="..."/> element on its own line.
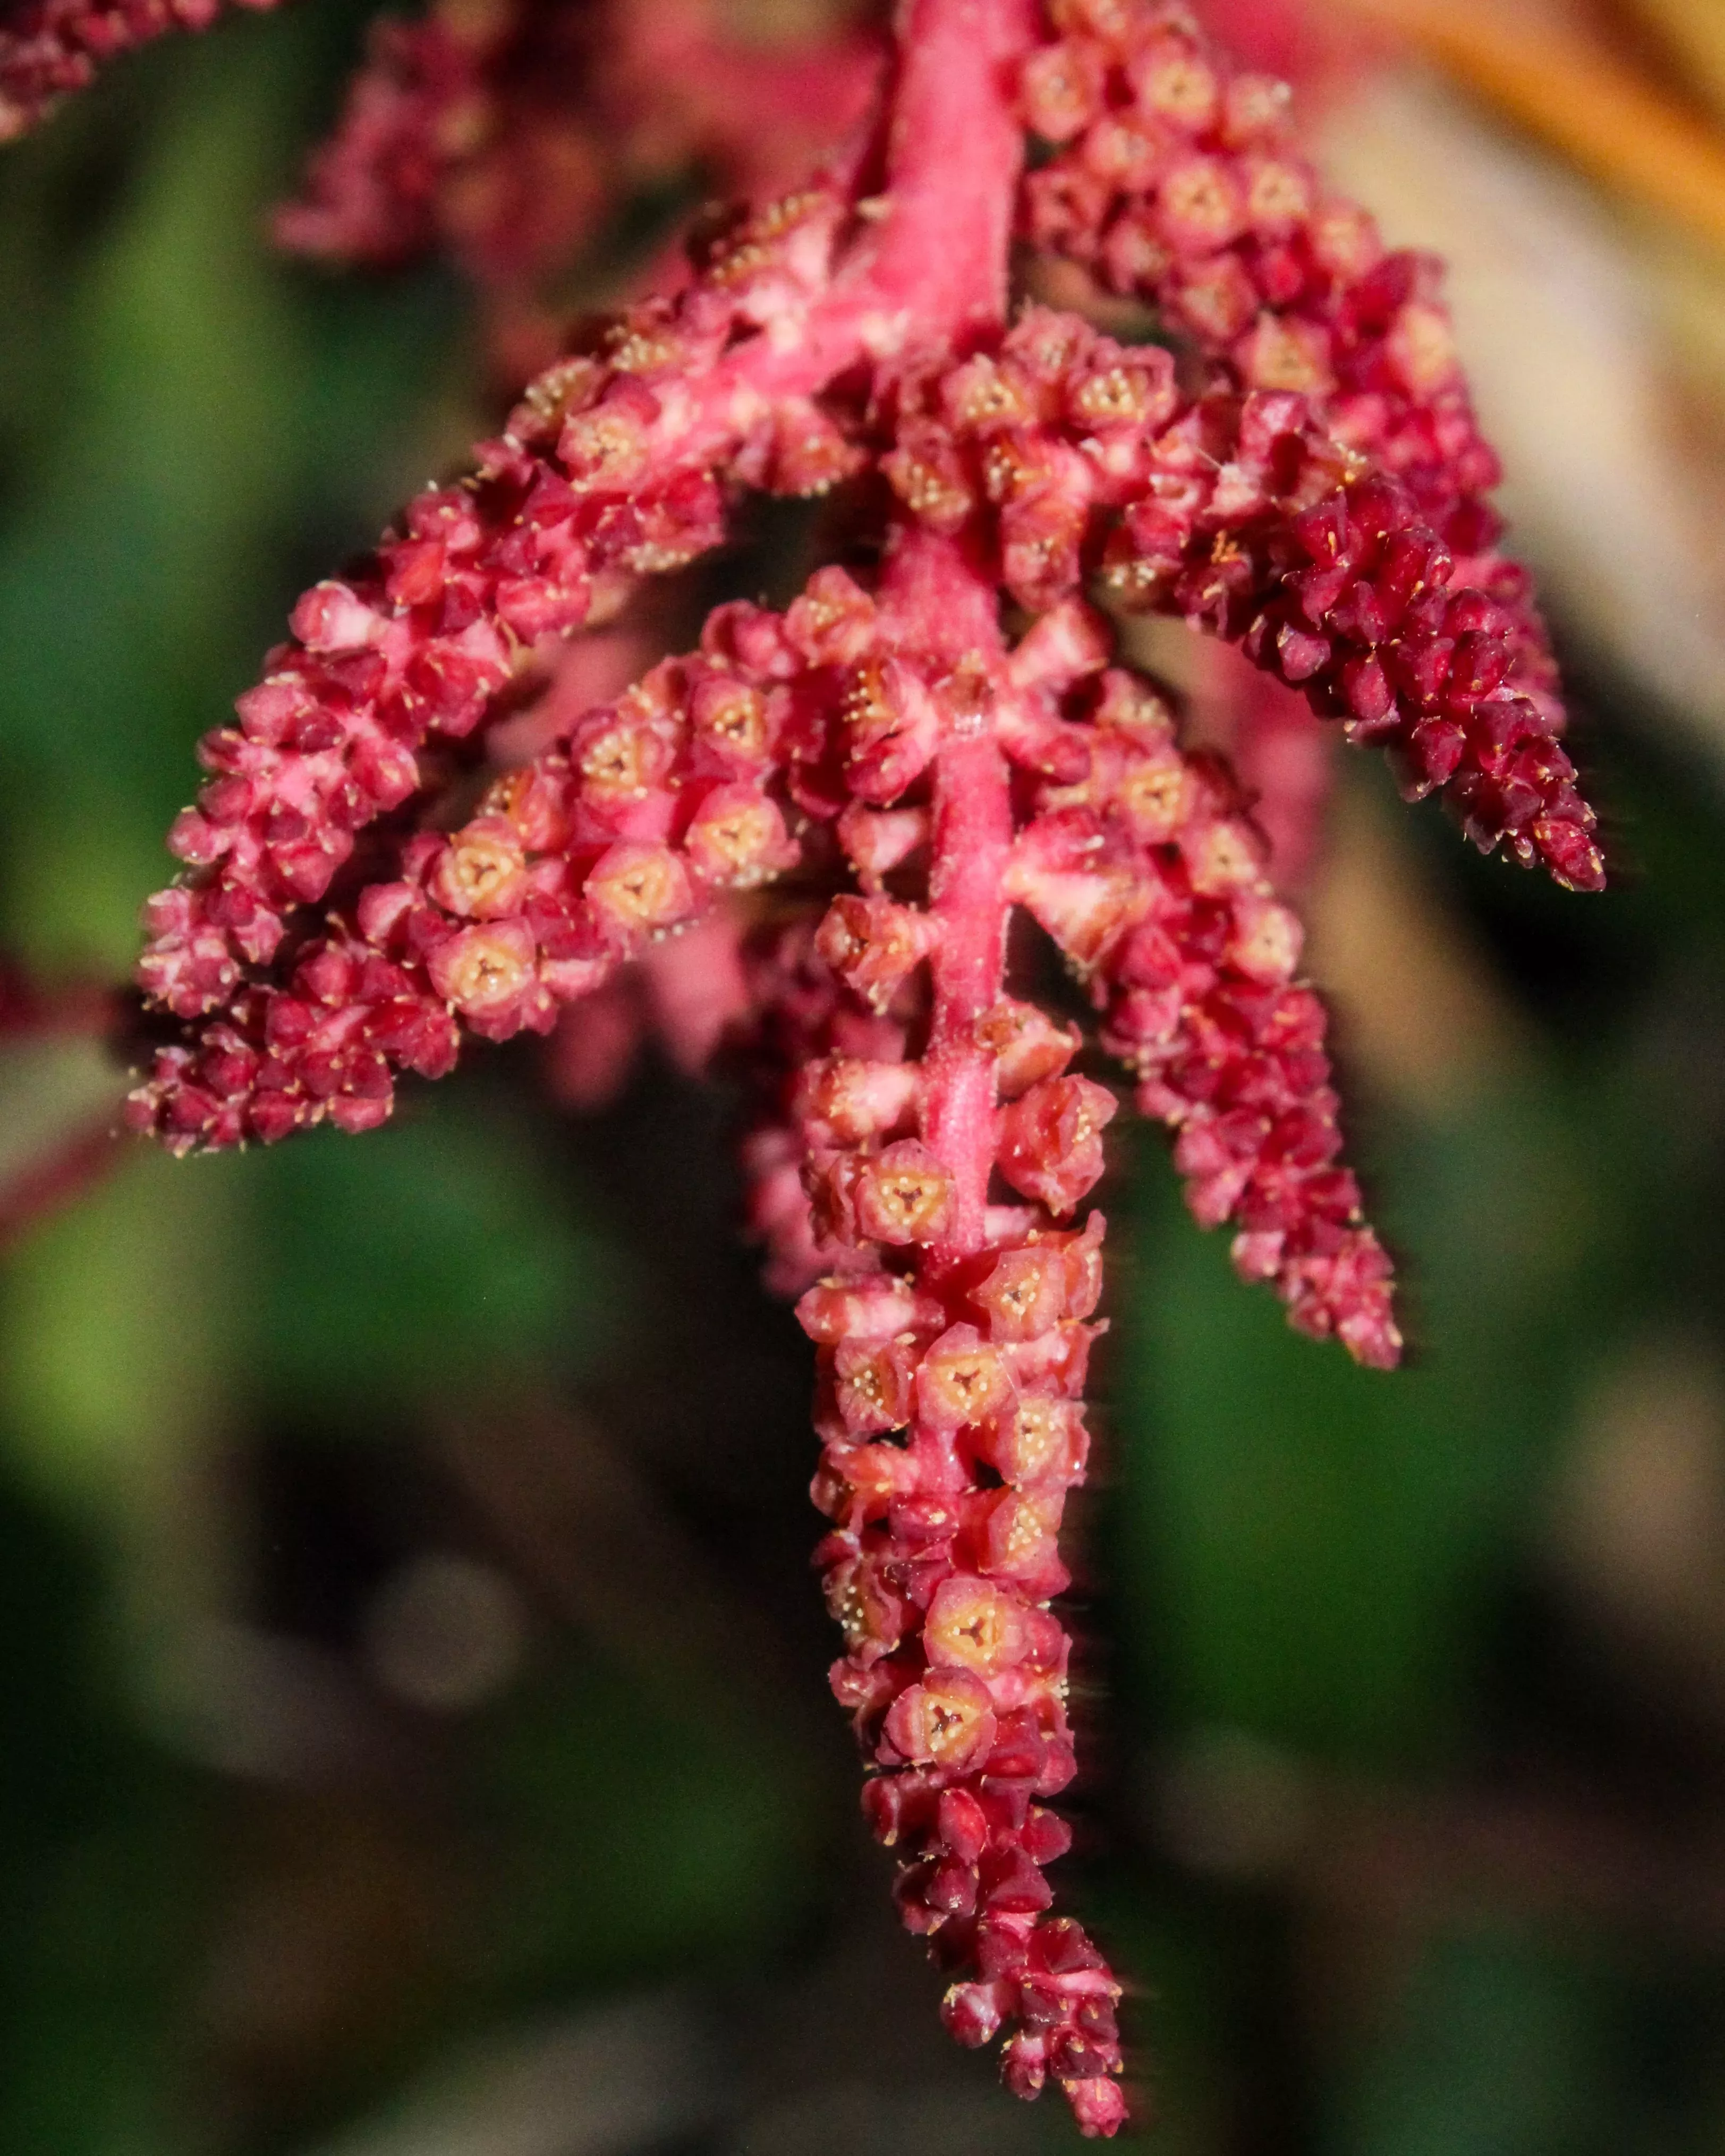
<point x="412" y="1733"/>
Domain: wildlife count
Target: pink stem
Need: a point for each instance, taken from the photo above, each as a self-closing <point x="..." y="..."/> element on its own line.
<point x="933" y="599"/>
<point x="954" y="152"/>
<point x="936" y="272"/>
<point x="973" y="838"/>
<point x="49" y="1184"/>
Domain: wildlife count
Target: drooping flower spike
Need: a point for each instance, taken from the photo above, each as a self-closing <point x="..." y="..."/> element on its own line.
<point x="910" y="753"/>
<point x="1175" y="183"/>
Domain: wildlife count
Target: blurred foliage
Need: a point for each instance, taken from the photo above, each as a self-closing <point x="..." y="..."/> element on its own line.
<point x="240" y="1914"/>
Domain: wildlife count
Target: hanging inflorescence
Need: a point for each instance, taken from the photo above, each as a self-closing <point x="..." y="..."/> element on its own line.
<point x="935" y="737"/>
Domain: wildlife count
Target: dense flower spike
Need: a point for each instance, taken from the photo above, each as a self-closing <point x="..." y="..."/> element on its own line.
<point x="1175" y="182"/>
<point x="606" y="471"/>
<point x="1151" y="878"/>
<point x="910" y="752"/>
<point x="953" y="1340"/>
<point x="617" y="836"/>
<point x="1241" y="512"/>
<point x="49" y="48"/>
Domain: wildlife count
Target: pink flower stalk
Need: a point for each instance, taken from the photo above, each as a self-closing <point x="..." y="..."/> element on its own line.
<point x="62" y="1165"/>
<point x="49" y="48"/>
<point x="923" y="744"/>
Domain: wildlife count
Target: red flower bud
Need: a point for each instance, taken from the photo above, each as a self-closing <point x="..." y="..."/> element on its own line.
<point x="1051" y="1140"/>
<point x="947" y="1721"/>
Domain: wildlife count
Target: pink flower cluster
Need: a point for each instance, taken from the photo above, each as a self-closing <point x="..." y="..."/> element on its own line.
<point x="599" y="479"/>
<point x="506" y="135"/>
<point x="1239" y="511"/>
<point x="951" y="1320"/>
<point x="927" y="741"/>
<point x="622" y="833"/>
<point x="1175" y="182"/>
<point x="1139" y="863"/>
<point x="49" y="48"/>
<point x="372" y="192"/>
<point x="953" y="1429"/>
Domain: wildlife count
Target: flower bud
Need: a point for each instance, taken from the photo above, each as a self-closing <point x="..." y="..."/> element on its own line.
<point x="1223" y="855"/>
<point x="875" y="1306"/>
<point x="1017" y="1539"/>
<point x="869" y="1476"/>
<point x="1039" y="1440"/>
<point x="962" y="1380"/>
<point x="879" y="840"/>
<point x="831" y="623"/>
<point x="1216" y="298"/>
<point x="1199" y="206"/>
<point x="1061" y="648"/>
<point x="1421" y="349"/>
<point x="1041" y="540"/>
<point x="972" y="2013"/>
<point x="811" y="452"/>
<point x="1060" y="91"/>
<point x="483" y="971"/>
<point x="903" y="1195"/>
<point x="973" y="1625"/>
<point x="1099" y="2106"/>
<point x="962" y="1825"/>
<point x="1174" y="83"/>
<point x="1265" y="944"/>
<point x="637" y="890"/>
<point x="1024" y="1295"/>
<point x="897" y="1806"/>
<point x="872" y="944"/>
<point x="1137" y="393"/>
<point x="872" y="1615"/>
<point x="1062" y="874"/>
<point x="332" y="617"/>
<point x="947" y="1721"/>
<point x="731" y="716"/>
<point x="1051" y="1140"/>
<point x="1023" y="2065"/>
<point x="605" y="447"/>
<point x="1028" y="1045"/>
<point x="892" y="725"/>
<point x="846" y="1100"/>
<point x="983" y="395"/>
<point x="874" y="1387"/>
<point x="534" y="800"/>
<point x="1155" y="797"/>
<point x="927" y="473"/>
<point x="737" y="837"/>
<point x="1013" y="1886"/>
<point x="622" y="753"/>
<point x="481" y="873"/>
